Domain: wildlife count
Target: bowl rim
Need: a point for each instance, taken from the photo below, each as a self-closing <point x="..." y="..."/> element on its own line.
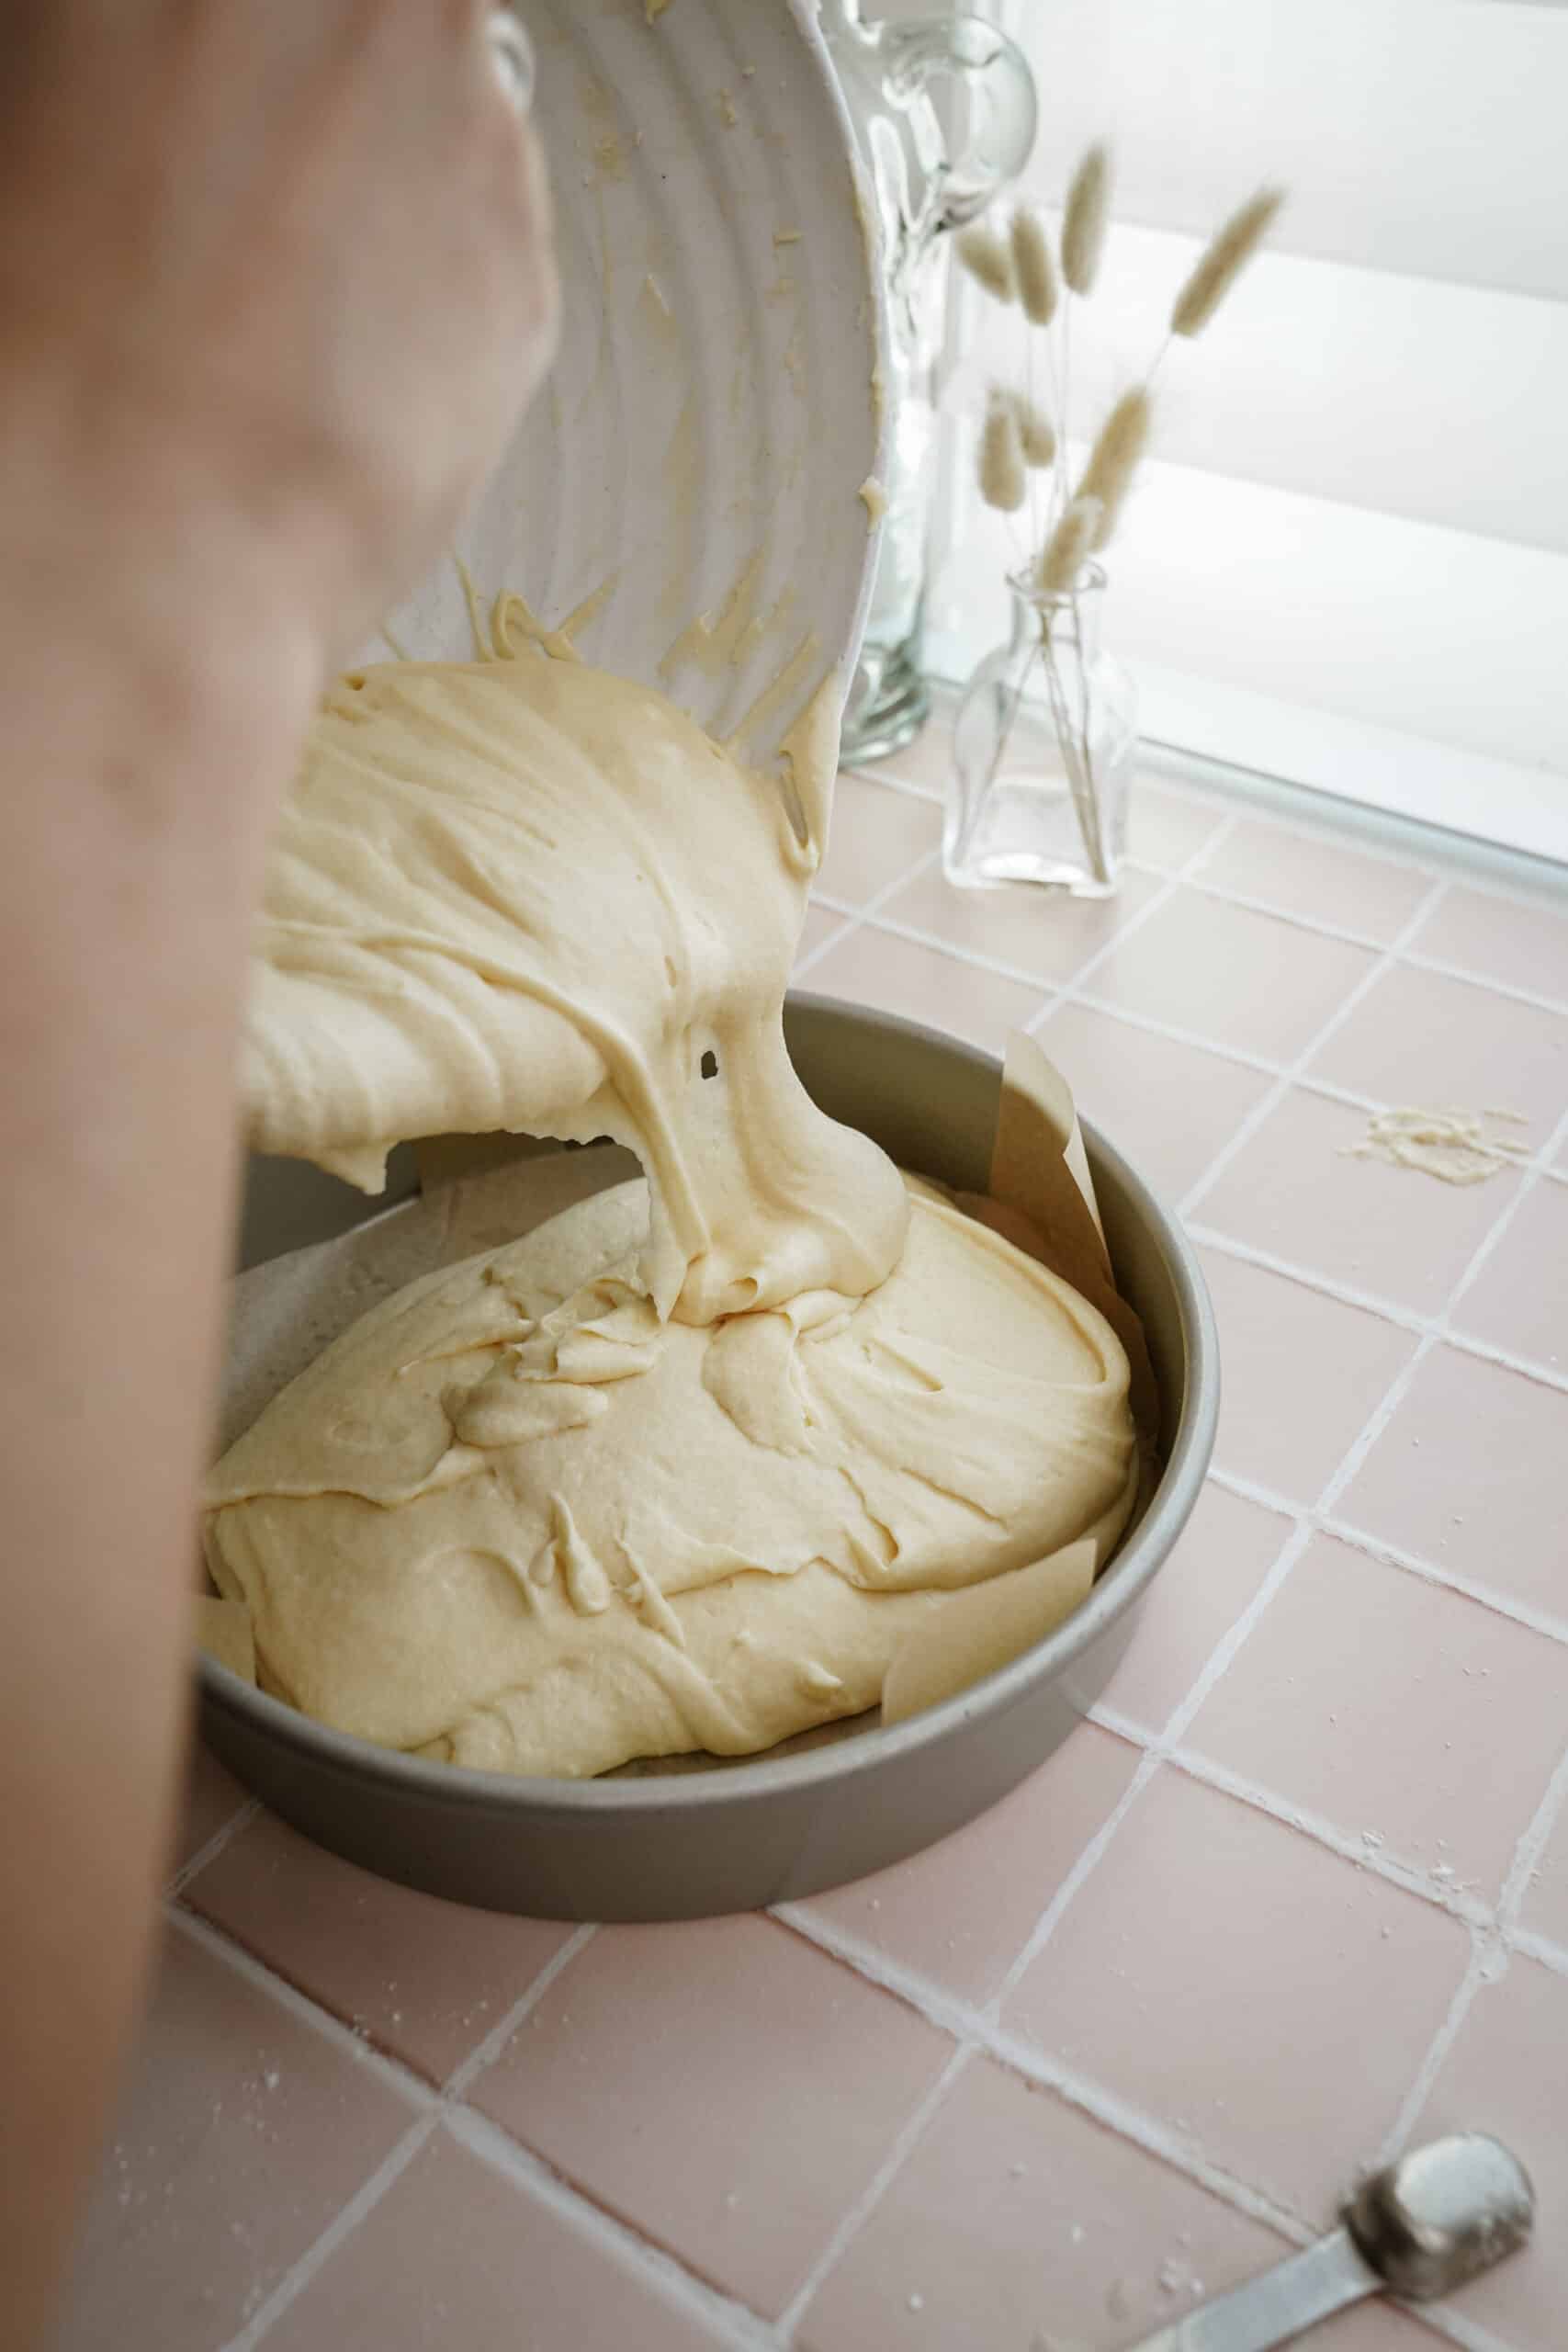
<point x="465" y="1788"/>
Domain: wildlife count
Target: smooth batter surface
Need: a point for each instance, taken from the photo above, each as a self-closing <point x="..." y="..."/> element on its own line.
<point x="684" y="1467"/>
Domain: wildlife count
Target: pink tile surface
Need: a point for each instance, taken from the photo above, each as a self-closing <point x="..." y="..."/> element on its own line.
<point x="240" y="2137"/>
<point x="959" y="1914"/>
<point x="820" y="925"/>
<point x="898" y="976"/>
<point x="1367" y="1695"/>
<point x="459" y="2254"/>
<point x="1170" y="1107"/>
<point x="1165" y="828"/>
<point x="1044" y="934"/>
<point x="1519" y="1299"/>
<point x="1545" y="1906"/>
<point x="1264" y="2000"/>
<point x="1422" y="1038"/>
<point x="210" y="1798"/>
<point x="1507" y="2074"/>
<point x="423" y="1978"/>
<point x="1510" y="940"/>
<point x="1243" y="980"/>
<point x="1301" y="1374"/>
<point x="1018" y="2221"/>
<point x="1223" y="1555"/>
<point x="721" y="2099"/>
<point x="724" y="2086"/>
<point x="875" y="833"/>
<point x="1469" y="1475"/>
<point x="1310" y="875"/>
<point x="1296" y="1191"/>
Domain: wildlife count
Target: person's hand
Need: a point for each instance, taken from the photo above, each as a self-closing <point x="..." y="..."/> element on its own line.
<point x="275" y="279"/>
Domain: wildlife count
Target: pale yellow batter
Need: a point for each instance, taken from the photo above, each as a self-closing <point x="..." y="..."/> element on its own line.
<point x="686" y="1467"/>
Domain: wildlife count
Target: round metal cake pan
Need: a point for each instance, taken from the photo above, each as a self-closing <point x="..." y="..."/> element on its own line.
<point x="756" y="1831"/>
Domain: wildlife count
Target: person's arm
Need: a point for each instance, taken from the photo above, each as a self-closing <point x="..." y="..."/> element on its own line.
<point x="272" y="282"/>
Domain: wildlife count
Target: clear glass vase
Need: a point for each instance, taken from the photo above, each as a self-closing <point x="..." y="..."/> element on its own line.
<point x="944" y="111"/>
<point x="1043" y="752"/>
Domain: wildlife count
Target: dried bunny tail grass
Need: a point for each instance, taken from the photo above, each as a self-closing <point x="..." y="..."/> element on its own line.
<point x="1223" y="260"/>
<point x="1003" y="483"/>
<point x="1036" y="434"/>
<point x="1033" y="268"/>
<point x="1086" y="219"/>
<point x="1068" y="548"/>
<point x="988" y="262"/>
<point x="1114" y="458"/>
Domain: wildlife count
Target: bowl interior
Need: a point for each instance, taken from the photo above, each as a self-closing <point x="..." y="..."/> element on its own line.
<point x="714" y="410"/>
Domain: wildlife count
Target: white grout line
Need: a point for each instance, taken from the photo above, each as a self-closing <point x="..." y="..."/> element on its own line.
<point x="1490" y="1955"/>
<point x="319" y="2253"/>
<point x="871" y="2196"/>
<point x="1084" y="1867"/>
<point x="1532" y="1946"/>
<point x="1532" y="1846"/>
<point x="222" y="1836"/>
<point x="485" y="2053"/>
<point x="979" y="2032"/>
<point x="1451" y="1895"/>
<point x="1292" y="1070"/>
<point x="1388" y="1310"/>
<point x="723" y="2314"/>
<point x="390" y="2071"/>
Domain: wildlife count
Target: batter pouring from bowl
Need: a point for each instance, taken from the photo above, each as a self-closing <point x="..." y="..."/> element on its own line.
<point x="683" y="1469"/>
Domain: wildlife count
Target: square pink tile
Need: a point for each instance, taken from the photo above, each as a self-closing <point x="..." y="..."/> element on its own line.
<point x="1306" y="874"/>
<point x="1017" y="2221"/>
<point x="1300" y="1375"/>
<point x="1223" y="1555"/>
<point x="1263" y="1999"/>
<point x="1295" y="1189"/>
<point x="1523" y="946"/>
<point x="1469" y="1475"/>
<point x="458" y="2253"/>
<point x="1165" y="828"/>
<point x="960" y="1913"/>
<point x="876" y="835"/>
<point x="1421" y="1038"/>
<point x="210" y="1798"/>
<point x="1507" y="2074"/>
<point x="1170" y="1107"/>
<point x="926" y="765"/>
<point x="423" y="1978"/>
<point x="1043" y="932"/>
<point x="1545" y="1908"/>
<point x="1246" y="980"/>
<point x="1519" y="1300"/>
<point x="723" y="2086"/>
<point x="820" y="925"/>
<point x="896" y="975"/>
<point x="242" y="2135"/>
<point x="1367" y="1694"/>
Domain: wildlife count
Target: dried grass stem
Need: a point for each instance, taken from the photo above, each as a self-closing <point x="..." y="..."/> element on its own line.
<point x="1223" y="260"/>
<point x="1086" y="219"/>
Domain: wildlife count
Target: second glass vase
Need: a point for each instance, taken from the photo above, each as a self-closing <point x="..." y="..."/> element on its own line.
<point x="1043" y="752"/>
